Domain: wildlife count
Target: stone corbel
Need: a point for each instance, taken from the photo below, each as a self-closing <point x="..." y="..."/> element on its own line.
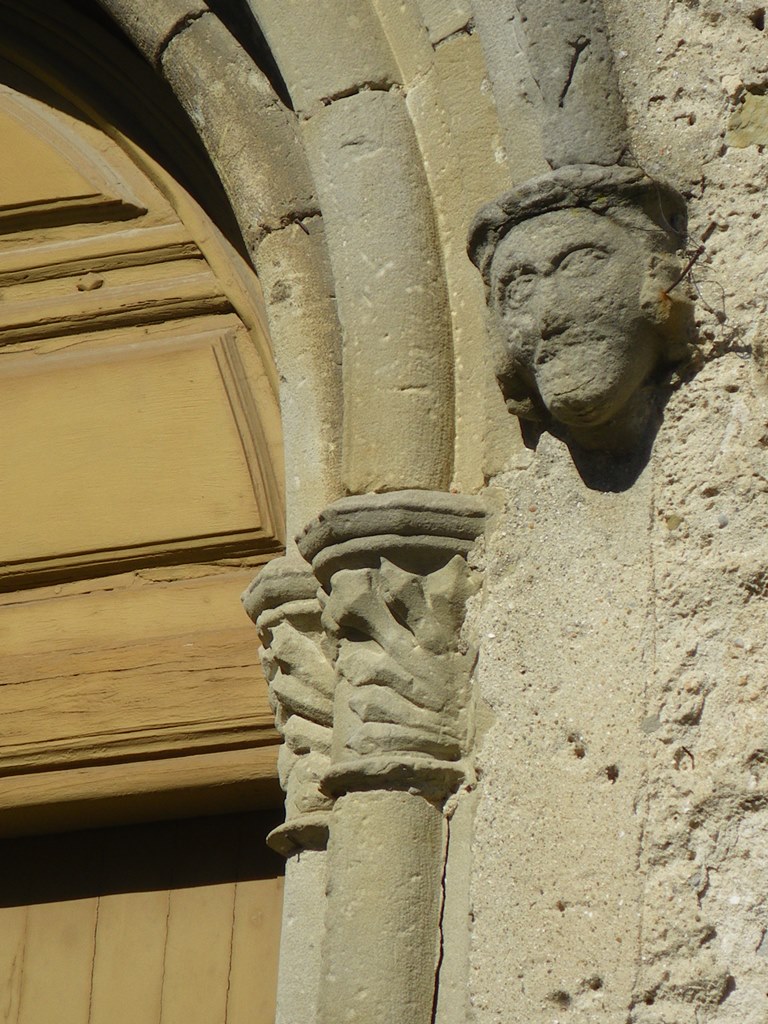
<point x="394" y="579"/>
<point x="588" y="311"/>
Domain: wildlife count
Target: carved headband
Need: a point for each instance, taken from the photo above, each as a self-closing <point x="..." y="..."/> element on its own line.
<point x="603" y="190"/>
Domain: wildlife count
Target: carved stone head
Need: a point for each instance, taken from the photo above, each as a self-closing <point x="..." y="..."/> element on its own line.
<point x="577" y="264"/>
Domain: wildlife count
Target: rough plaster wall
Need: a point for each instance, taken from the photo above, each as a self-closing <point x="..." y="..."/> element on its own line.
<point x="620" y="866"/>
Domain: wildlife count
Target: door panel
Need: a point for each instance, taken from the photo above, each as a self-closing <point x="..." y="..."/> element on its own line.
<point x="110" y="422"/>
<point x="140" y="480"/>
<point x="154" y="924"/>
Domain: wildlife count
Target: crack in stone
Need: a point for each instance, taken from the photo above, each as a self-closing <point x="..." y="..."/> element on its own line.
<point x="176" y="30"/>
<point x="440" y="922"/>
<point x="382" y="85"/>
<point x="298" y="219"/>
<point x="579" y="46"/>
<point x="459" y="33"/>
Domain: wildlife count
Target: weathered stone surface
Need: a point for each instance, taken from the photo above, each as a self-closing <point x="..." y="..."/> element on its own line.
<point x="391" y="294"/>
<point x="152" y="26"/>
<point x="295" y="274"/>
<point x="301" y="936"/>
<point x="407" y="37"/>
<point x="748" y="124"/>
<point x="458" y="132"/>
<point x="580" y="272"/>
<point x="401" y="707"/>
<point x="382" y="926"/>
<point x="444" y="17"/>
<point x="513" y="88"/>
<point x="326" y="49"/>
<point x="658" y="592"/>
<point x="704" y="851"/>
<point x="251" y="137"/>
<point x="371" y="526"/>
<point x="571" y="76"/>
<point x="282" y="602"/>
<point x="566" y="640"/>
<point x="394" y="568"/>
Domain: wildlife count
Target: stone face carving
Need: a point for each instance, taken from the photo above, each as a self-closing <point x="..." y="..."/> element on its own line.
<point x="283" y="603"/>
<point x="397" y="581"/>
<point x="579" y="267"/>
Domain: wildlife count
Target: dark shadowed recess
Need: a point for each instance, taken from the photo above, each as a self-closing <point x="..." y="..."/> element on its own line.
<point x="137" y="858"/>
<point x="239" y="19"/>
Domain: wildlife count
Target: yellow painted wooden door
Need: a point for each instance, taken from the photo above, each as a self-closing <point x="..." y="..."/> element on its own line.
<point x="140" y="478"/>
<point x="140" y="491"/>
<point x="170" y="923"/>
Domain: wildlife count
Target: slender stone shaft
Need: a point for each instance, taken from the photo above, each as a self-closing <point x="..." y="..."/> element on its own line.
<point x="298" y="982"/>
<point x="380" y="959"/>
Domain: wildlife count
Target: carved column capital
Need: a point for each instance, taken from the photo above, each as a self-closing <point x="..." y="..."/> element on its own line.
<point x="282" y="601"/>
<point x="395" y="578"/>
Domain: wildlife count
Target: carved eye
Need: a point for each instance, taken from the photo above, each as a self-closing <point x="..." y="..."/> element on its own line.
<point x="582" y="261"/>
<point x="519" y="290"/>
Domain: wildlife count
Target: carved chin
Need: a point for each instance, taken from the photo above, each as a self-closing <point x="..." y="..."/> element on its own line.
<point x="587" y="389"/>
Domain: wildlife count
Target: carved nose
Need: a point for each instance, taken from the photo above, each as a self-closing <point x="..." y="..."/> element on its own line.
<point x="552" y="316"/>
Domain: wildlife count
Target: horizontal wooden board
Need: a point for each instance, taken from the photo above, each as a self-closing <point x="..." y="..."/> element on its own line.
<point x="134" y="246"/>
<point x="130" y="673"/>
<point x="179" y="289"/>
<point x="166" y="788"/>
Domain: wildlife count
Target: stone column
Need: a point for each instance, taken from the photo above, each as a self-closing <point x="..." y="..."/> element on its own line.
<point x="395" y="578"/>
<point x="282" y="601"/>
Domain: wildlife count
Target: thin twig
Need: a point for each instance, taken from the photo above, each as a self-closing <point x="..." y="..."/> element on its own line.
<point x="690" y="264"/>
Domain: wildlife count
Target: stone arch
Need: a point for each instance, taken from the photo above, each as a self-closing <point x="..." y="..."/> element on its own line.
<point x="354" y="204"/>
<point x="368" y="249"/>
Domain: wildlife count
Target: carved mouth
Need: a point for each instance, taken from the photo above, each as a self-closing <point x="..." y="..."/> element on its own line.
<point x="577" y="378"/>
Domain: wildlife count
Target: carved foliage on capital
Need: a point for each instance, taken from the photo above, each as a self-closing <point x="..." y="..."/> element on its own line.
<point x="396" y="577"/>
<point x="283" y="603"/>
<point x="403" y="679"/>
